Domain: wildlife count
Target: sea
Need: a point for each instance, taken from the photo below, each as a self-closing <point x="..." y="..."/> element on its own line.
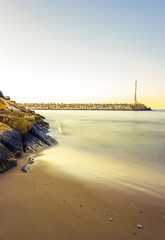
<point x="123" y="149"/>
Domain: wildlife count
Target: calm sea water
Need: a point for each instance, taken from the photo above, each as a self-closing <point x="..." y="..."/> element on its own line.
<point x="125" y="148"/>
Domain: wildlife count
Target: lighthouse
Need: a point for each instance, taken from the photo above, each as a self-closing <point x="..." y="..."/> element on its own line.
<point x="135" y="100"/>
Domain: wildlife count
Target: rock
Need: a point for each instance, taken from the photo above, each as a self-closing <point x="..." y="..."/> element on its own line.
<point x="20" y="130"/>
<point x="2" y="96"/>
<point x="7" y="98"/>
<point x="38" y="133"/>
<point x="12" y="140"/>
<point x="26" y="168"/>
<point x="139" y="226"/>
<point x="31" y="143"/>
<point x="31" y="159"/>
<point x="111" y="219"/>
<point x="7" y="160"/>
<point x="18" y="123"/>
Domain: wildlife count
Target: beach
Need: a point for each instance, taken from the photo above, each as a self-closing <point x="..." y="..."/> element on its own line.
<point x="104" y="180"/>
<point x="82" y="120"/>
<point x="38" y="205"/>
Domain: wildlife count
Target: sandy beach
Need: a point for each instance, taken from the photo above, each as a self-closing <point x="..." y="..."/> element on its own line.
<point x="38" y="205"/>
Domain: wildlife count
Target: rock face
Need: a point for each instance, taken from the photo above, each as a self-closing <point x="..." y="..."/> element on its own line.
<point x="13" y="141"/>
<point x="7" y="159"/>
<point x="21" y="130"/>
<point x="2" y="96"/>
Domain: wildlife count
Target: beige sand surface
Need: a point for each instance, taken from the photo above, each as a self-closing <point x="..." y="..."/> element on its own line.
<point x="40" y="206"/>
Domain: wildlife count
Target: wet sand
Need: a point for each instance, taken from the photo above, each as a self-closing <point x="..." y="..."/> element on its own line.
<point x="42" y="206"/>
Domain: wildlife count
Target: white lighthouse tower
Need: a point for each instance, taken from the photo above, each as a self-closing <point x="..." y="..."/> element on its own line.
<point x="135" y="100"/>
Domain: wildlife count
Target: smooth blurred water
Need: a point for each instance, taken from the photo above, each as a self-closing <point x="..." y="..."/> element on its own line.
<point x="104" y="146"/>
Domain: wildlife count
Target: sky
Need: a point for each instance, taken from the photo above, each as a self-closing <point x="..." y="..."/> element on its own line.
<point x="83" y="51"/>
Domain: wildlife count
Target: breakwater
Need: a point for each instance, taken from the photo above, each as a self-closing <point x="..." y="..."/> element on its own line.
<point x="86" y="106"/>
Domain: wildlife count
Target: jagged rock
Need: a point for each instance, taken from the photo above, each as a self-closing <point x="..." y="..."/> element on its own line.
<point x="2" y="96"/>
<point x="31" y="143"/>
<point x="26" y="168"/>
<point x="12" y="140"/>
<point x="7" y="159"/>
<point x="43" y="128"/>
<point x="20" y="129"/>
<point x="37" y="132"/>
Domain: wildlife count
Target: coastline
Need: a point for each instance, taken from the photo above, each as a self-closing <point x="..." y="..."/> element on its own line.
<point x="37" y="205"/>
<point x="21" y="130"/>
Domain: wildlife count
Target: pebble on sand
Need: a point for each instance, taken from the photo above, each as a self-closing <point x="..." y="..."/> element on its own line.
<point x="31" y="159"/>
<point x="139" y="226"/>
<point x="26" y="168"/>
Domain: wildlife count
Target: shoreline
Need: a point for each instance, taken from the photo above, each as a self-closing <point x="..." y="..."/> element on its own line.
<point x="37" y="205"/>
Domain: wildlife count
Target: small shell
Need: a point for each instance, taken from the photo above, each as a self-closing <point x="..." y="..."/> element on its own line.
<point x="111" y="219"/>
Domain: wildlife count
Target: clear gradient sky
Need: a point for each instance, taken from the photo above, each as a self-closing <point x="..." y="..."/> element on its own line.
<point x="83" y="50"/>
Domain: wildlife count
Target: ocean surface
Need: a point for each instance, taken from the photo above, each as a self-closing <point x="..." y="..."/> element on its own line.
<point x="123" y="149"/>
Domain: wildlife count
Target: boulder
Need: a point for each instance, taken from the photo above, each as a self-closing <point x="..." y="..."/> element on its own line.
<point x="7" y="160"/>
<point x="18" y="123"/>
<point x="20" y="130"/>
<point x="31" y="143"/>
<point x="12" y="140"/>
<point x="2" y="96"/>
<point x="37" y="132"/>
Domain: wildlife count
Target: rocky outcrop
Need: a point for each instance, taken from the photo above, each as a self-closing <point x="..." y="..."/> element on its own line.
<point x="21" y="130"/>
<point x="12" y="140"/>
<point x="2" y="96"/>
<point x="18" y="123"/>
<point x="7" y="159"/>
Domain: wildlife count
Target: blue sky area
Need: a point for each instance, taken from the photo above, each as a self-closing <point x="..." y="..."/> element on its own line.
<point x="83" y="51"/>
